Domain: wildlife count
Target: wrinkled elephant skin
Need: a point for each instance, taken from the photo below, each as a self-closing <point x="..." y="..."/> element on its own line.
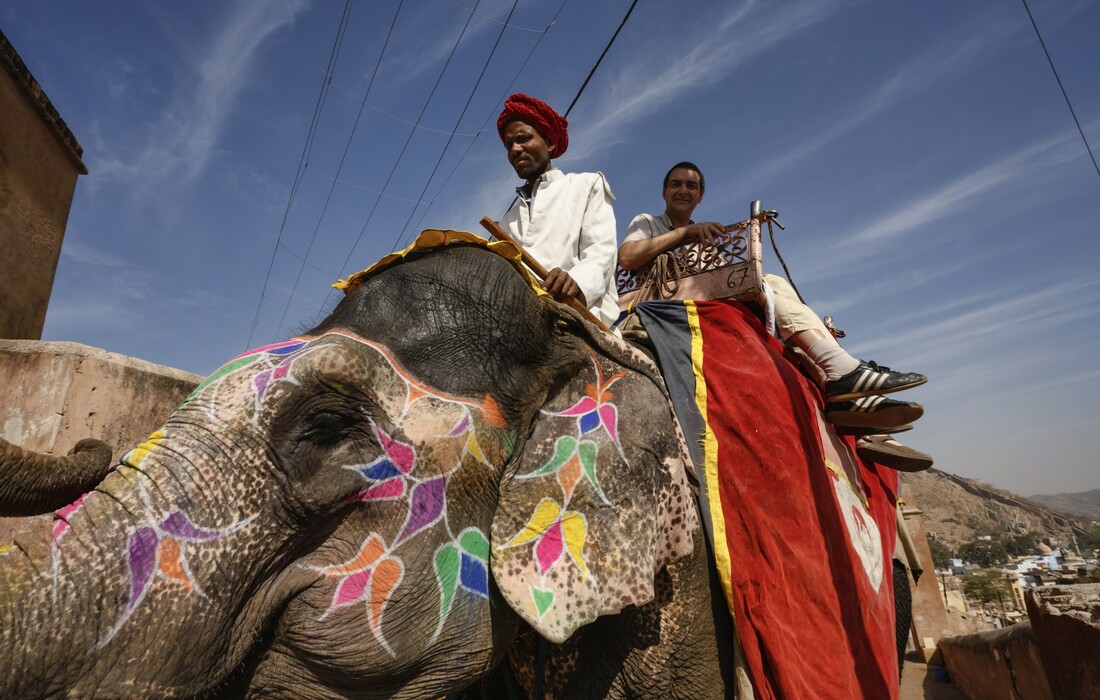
<point x="32" y="483"/>
<point x="373" y="509"/>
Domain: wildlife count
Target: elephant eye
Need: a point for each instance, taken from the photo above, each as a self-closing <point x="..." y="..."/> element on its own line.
<point x="327" y="426"/>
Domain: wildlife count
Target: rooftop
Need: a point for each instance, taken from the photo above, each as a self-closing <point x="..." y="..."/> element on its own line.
<point x="11" y="61"/>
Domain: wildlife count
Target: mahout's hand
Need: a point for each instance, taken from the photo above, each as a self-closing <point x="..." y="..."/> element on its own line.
<point x="561" y="286"/>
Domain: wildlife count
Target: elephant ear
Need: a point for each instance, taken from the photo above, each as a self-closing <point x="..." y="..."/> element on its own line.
<point x="596" y="502"/>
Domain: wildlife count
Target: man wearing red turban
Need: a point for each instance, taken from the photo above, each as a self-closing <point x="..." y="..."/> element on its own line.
<point x="565" y="221"/>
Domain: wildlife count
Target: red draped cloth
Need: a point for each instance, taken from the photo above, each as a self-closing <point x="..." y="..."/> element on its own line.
<point x="803" y="530"/>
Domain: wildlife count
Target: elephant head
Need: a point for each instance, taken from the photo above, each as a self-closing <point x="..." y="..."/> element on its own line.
<point x="32" y="483"/>
<point x="369" y="508"/>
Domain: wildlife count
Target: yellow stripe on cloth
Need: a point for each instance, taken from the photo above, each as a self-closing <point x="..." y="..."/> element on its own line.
<point x="710" y="457"/>
<point x="431" y="239"/>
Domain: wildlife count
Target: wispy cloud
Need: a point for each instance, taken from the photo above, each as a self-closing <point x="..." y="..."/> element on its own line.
<point x="911" y="277"/>
<point x="652" y="82"/>
<point x="945" y="200"/>
<point x="1023" y="315"/>
<point x="123" y="293"/>
<point x="949" y="199"/>
<point x="184" y="137"/>
<point x="949" y="60"/>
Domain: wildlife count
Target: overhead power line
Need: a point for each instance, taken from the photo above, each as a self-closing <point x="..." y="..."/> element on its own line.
<point x="340" y="167"/>
<point x="446" y="146"/>
<point x="591" y="73"/>
<point x="404" y="148"/>
<point x="484" y="129"/>
<point x="600" y="59"/>
<point x="303" y="161"/>
<point x="492" y="115"/>
<point x="1062" y="88"/>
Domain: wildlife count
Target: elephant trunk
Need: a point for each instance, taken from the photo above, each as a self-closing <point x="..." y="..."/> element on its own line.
<point x="33" y="483"/>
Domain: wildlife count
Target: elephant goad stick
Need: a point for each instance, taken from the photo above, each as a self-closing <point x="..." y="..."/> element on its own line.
<point x="541" y="272"/>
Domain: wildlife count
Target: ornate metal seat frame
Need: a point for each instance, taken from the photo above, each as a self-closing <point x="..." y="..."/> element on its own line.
<point x="732" y="268"/>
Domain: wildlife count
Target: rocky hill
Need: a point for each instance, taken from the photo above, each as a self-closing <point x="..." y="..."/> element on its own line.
<point x="954" y="508"/>
<point x="1085" y="504"/>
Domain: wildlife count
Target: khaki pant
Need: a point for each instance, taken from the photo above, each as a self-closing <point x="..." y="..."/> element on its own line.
<point x="791" y="315"/>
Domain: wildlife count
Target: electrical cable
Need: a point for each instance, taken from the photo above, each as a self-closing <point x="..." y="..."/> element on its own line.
<point x="591" y="73"/>
<point x="600" y="59"/>
<point x="1061" y="87"/>
<point x="303" y="161"/>
<point x="458" y="122"/>
<point x="484" y="128"/>
<point x="412" y="132"/>
<point x="493" y="114"/>
<point x="343" y="158"/>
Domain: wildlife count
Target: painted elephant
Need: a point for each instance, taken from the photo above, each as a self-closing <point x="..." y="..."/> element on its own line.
<point x="32" y="483"/>
<point x="377" y="509"/>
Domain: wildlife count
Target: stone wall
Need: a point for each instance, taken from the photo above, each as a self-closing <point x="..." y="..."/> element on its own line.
<point x="932" y="621"/>
<point x="39" y="164"/>
<point x="1003" y="664"/>
<point x="1067" y="628"/>
<point x="55" y="394"/>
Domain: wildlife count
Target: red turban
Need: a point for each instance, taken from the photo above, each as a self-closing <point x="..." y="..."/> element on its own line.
<point x="539" y="115"/>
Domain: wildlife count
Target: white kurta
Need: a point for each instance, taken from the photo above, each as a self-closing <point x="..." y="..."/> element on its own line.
<point x="569" y="223"/>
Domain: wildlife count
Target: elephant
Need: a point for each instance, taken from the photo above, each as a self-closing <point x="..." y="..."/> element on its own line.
<point x="32" y="483"/>
<point x="380" y="507"/>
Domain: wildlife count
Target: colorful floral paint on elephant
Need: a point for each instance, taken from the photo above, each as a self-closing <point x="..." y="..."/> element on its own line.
<point x="158" y="550"/>
<point x="268" y="364"/>
<point x="554" y="531"/>
<point x="462" y="564"/>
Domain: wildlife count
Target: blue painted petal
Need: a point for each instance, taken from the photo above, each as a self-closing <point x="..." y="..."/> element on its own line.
<point x="589" y="422"/>
<point x="379" y="470"/>
<point x="286" y="349"/>
<point x="474" y="576"/>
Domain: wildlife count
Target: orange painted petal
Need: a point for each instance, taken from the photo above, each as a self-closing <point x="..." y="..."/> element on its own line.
<point x="490" y="413"/>
<point x="368" y="554"/>
<point x="170" y="564"/>
<point x="385" y="578"/>
<point x="569" y="475"/>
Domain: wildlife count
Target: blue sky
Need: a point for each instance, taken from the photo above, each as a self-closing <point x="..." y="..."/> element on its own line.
<point x="938" y="199"/>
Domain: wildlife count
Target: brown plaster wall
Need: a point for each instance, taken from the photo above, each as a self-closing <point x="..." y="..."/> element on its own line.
<point x="37" y="180"/>
<point x="1067" y="627"/>
<point x="55" y="394"/>
<point x="1003" y="664"/>
<point x="930" y="618"/>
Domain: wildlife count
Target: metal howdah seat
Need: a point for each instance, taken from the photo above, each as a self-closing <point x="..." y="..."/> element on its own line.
<point x="732" y="269"/>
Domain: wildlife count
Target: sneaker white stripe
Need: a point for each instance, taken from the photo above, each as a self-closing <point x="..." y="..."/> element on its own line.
<point x="869" y="403"/>
<point x="858" y="386"/>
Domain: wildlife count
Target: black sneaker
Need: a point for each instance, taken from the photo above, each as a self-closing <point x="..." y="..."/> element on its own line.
<point x="883" y="414"/>
<point x="870" y="379"/>
<point x="884" y="450"/>
<point x="863" y="431"/>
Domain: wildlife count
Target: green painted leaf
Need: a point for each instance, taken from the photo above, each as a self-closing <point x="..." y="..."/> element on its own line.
<point x="474" y="542"/>
<point x="587" y="451"/>
<point x="447" y="561"/>
<point x="543" y="598"/>
<point x="221" y="372"/>
<point x="564" y="448"/>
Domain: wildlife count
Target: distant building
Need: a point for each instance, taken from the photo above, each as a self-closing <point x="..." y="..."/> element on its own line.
<point x="40" y="161"/>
